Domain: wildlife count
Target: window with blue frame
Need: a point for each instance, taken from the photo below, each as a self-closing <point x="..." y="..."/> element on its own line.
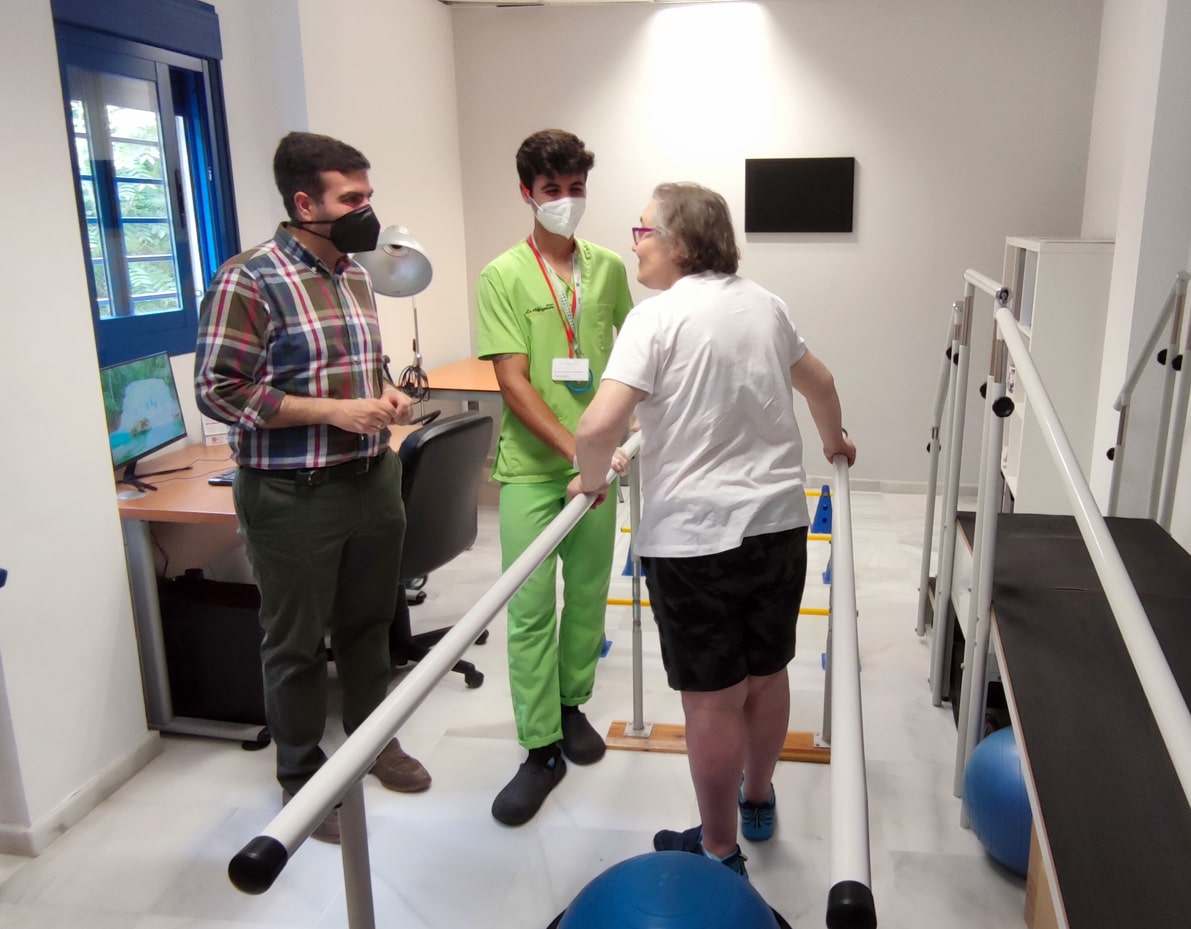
<point x="149" y="150"/>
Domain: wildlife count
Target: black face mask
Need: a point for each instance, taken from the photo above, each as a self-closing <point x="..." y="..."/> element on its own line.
<point x="356" y="231"/>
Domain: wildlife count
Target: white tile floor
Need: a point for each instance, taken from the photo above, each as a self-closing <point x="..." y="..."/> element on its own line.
<point x="155" y="855"/>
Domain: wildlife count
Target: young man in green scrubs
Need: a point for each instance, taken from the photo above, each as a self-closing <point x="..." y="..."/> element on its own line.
<point x="546" y="311"/>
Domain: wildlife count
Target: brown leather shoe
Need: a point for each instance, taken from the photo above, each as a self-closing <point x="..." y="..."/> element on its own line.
<point x="326" y="831"/>
<point x="398" y="771"/>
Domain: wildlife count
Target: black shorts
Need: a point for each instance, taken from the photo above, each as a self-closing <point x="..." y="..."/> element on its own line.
<point x="726" y="616"/>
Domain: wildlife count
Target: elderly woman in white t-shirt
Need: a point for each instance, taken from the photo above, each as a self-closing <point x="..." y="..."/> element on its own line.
<point x="709" y="365"/>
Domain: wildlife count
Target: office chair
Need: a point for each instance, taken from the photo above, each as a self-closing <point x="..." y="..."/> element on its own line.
<point x="442" y="465"/>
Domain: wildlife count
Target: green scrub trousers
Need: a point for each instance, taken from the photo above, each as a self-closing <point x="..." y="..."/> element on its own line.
<point x="553" y="662"/>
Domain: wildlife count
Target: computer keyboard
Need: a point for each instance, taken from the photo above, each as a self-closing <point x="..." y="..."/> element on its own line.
<point x="223" y="478"/>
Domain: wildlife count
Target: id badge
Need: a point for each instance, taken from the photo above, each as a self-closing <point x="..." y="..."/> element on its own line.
<point x="571" y="369"/>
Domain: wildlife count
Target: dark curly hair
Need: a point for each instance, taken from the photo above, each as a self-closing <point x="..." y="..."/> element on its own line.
<point x="302" y="157"/>
<point x="552" y="152"/>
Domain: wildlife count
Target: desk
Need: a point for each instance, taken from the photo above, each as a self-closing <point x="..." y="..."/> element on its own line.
<point x="185" y="497"/>
<point x="471" y="379"/>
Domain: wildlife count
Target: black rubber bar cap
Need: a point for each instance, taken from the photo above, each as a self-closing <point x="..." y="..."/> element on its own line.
<point x="257" y="864"/>
<point x="850" y="906"/>
<point x="1002" y="407"/>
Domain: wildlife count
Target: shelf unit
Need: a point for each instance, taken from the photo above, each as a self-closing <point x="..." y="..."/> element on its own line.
<point x="1059" y="290"/>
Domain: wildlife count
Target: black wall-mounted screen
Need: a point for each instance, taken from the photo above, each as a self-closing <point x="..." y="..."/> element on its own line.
<point x="798" y="194"/>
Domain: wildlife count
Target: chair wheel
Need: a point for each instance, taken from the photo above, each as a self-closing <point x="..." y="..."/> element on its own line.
<point x="473" y="679"/>
<point x="483" y="638"/>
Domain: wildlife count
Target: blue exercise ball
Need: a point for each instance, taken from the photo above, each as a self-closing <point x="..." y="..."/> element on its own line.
<point x="997" y="802"/>
<point x="668" y="890"/>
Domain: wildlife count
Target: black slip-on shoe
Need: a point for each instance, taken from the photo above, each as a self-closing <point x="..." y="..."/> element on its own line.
<point x="522" y="797"/>
<point x="580" y="742"/>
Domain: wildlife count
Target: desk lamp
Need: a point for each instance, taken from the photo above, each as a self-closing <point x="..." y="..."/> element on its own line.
<point x="399" y="268"/>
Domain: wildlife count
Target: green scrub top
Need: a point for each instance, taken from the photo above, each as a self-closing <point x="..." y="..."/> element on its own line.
<point x="516" y="314"/>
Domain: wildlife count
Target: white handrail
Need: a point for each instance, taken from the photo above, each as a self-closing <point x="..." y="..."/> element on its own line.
<point x="1135" y="372"/>
<point x="257" y="865"/>
<point x="932" y="480"/>
<point x="978" y="628"/>
<point x="1174" y="447"/>
<point x="940" y="643"/>
<point x="1157" y="681"/>
<point x="1160" y="489"/>
<point x="994" y="289"/>
<point x="977" y="619"/>
<point x="850" y="901"/>
<point x="638" y="724"/>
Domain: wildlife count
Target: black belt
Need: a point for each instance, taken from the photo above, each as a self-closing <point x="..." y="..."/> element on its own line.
<point x="313" y="477"/>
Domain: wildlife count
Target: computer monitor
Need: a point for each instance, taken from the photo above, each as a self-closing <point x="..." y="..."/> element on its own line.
<point x="140" y="400"/>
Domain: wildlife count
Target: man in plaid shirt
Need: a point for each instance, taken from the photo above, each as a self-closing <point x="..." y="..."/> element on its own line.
<point x="289" y="356"/>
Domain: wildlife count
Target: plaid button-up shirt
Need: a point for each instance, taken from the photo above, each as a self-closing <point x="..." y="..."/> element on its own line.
<point x="276" y="321"/>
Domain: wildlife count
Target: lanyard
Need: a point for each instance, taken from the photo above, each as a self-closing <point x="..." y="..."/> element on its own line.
<point x="568" y="310"/>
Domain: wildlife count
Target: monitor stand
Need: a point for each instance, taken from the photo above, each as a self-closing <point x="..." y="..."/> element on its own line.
<point x="133" y="479"/>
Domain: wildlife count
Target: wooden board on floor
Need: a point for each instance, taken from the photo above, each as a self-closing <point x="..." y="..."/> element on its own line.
<point x="671" y="738"/>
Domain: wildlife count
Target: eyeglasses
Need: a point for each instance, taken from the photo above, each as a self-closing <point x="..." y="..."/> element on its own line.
<point x="641" y="232"/>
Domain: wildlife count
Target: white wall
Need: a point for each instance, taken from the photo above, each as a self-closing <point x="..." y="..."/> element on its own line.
<point x="380" y="75"/>
<point x="1119" y="82"/>
<point x="71" y="710"/>
<point x="1142" y="125"/>
<point x="969" y="121"/>
<point x="1165" y="235"/>
<point x="660" y="93"/>
<point x="264" y="99"/>
<point x="1180" y="527"/>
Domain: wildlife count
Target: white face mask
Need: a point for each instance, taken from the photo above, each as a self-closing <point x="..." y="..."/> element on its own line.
<point x="560" y="216"/>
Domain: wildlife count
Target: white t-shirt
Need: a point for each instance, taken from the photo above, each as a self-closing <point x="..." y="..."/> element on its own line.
<point x="721" y="454"/>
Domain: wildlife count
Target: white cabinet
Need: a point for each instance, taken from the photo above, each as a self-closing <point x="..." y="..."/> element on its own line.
<point x="1060" y="288"/>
